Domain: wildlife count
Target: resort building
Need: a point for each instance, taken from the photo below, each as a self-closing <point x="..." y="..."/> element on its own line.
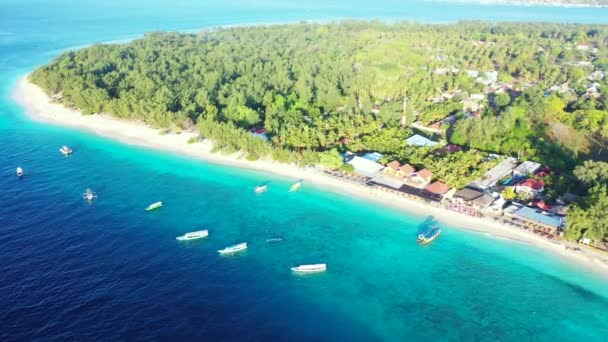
<point x="365" y="167"/>
<point x="474" y="198"/>
<point x="396" y="169"/>
<point x="495" y="174"/>
<point x="420" y="141"/>
<point x="538" y="219"/>
<point x="530" y="187"/>
<point x="419" y="179"/>
<point x="437" y="188"/>
<point x="526" y="168"/>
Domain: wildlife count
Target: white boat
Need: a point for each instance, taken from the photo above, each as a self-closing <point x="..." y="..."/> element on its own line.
<point x="274" y="239"/>
<point x="89" y="195"/>
<point x="296" y="186"/>
<point x="19" y="172"/>
<point x="199" y="234"/>
<point x="66" y="151"/>
<point x="233" y="249"/>
<point x="154" y="206"/>
<point x="261" y="189"/>
<point x="310" y="268"/>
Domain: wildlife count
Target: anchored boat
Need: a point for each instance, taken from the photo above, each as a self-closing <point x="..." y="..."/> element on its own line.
<point x="310" y="268"/>
<point x="260" y="189"/>
<point x="89" y="195"/>
<point x="428" y="237"/>
<point x="66" y="151"/>
<point x="274" y="239"/>
<point x="234" y="249"/>
<point x="154" y="206"/>
<point x="296" y="186"/>
<point x="193" y="235"/>
<point x="19" y="172"/>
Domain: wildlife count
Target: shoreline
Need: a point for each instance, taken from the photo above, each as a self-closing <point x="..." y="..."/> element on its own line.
<point x="37" y="106"/>
<point x="520" y="3"/>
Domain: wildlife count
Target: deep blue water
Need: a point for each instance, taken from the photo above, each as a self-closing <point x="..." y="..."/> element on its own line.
<point x="111" y="271"/>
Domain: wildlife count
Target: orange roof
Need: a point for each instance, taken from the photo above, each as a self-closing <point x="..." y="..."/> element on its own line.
<point x="394" y="165"/>
<point x="425" y="173"/>
<point x="533" y="184"/>
<point x="437" y="188"/>
<point x="408" y="169"/>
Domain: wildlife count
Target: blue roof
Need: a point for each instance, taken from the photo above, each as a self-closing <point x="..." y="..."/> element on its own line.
<point x="373" y="156"/>
<point x="420" y="141"/>
<point x="539" y="216"/>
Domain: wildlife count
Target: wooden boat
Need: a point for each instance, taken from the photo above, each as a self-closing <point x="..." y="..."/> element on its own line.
<point x="199" y="234"/>
<point x="310" y="268"/>
<point x="19" y="172"/>
<point x="66" y="151"/>
<point x="260" y="189"/>
<point x="296" y="186"/>
<point x="426" y="238"/>
<point x="234" y="249"/>
<point x="154" y="206"/>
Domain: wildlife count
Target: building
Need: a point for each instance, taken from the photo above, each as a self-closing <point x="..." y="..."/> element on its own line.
<point x="526" y="168"/>
<point x="474" y="198"/>
<point x="396" y="169"/>
<point x="419" y="179"/>
<point x="491" y="177"/>
<point x="420" y="141"/>
<point x="538" y="219"/>
<point x="365" y="167"/>
<point x="530" y="187"/>
<point x="373" y="156"/>
<point x="260" y="133"/>
<point x="387" y="180"/>
<point x="437" y="188"/>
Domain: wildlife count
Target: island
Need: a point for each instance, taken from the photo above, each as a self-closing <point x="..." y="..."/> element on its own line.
<point x="506" y="122"/>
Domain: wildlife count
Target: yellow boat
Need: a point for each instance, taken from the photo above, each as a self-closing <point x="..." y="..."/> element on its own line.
<point x="430" y="236"/>
<point x="296" y="186"/>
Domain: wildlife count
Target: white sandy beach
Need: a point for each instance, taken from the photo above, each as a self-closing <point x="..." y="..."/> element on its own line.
<point x="38" y="107"/>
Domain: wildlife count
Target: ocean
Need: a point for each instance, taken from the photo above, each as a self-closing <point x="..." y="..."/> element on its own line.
<point x="109" y="270"/>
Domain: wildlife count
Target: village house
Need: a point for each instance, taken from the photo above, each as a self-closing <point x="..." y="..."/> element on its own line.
<point x="419" y="179"/>
<point x="530" y="187"/>
<point x="526" y="168"/>
<point x="420" y="141"/>
<point x="491" y="177"/>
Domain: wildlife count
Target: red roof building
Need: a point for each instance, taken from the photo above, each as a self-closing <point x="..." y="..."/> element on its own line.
<point x="407" y="169"/>
<point x="437" y="188"/>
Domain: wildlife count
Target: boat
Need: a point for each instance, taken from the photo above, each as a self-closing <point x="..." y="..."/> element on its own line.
<point x="296" y="186"/>
<point x="260" y="189"/>
<point x="274" y="240"/>
<point x="310" y="268"/>
<point x="426" y="238"/>
<point x="233" y="249"/>
<point x="154" y="206"/>
<point x="19" y="172"/>
<point x="66" y="151"/>
<point x="89" y="195"/>
<point x="199" y="234"/>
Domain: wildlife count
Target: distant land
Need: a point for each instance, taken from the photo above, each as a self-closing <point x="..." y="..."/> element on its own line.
<point x="563" y="3"/>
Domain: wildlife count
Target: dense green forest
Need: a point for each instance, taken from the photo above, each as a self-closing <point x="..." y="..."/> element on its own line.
<point x="539" y="91"/>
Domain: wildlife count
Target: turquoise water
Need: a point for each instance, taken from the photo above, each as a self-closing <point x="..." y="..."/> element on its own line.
<point x="111" y="271"/>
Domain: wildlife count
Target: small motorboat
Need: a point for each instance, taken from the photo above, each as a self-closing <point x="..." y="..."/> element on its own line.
<point x="19" y="172"/>
<point x="261" y="189"/>
<point x="296" y="186"/>
<point x="426" y="238"/>
<point x="199" y="234"/>
<point x="274" y="239"/>
<point x="310" y="268"/>
<point x="234" y="249"/>
<point x="66" y="151"/>
<point x="89" y="195"/>
<point x="154" y="206"/>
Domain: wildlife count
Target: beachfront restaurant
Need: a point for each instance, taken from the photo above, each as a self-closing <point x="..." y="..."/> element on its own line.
<point x="474" y="198"/>
<point x="365" y="167"/>
<point x="538" y="219"/>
